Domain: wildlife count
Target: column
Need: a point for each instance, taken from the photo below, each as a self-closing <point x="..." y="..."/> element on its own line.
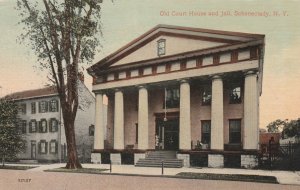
<point x="251" y="111"/>
<point x="185" y="116"/>
<point x="143" y="118"/>
<point x="119" y="120"/>
<point x="217" y="132"/>
<point x="99" y="123"/>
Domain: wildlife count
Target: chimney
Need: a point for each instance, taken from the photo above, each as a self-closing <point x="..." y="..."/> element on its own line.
<point x="81" y="76"/>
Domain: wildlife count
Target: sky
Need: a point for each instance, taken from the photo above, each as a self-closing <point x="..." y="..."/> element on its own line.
<point x="125" y="20"/>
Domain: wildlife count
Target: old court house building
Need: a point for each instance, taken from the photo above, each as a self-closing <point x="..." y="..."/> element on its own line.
<point x="194" y="91"/>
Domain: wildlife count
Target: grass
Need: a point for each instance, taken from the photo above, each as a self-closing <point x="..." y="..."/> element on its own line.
<point x="8" y="167"/>
<point x="229" y="177"/>
<point x="82" y="170"/>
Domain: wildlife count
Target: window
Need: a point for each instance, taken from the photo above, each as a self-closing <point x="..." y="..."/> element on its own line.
<point x="43" y="147"/>
<point x="53" y="147"/>
<point x="33" y="110"/>
<point x="161" y="47"/>
<point x="43" y="107"/>
<point x="53" y="107"/>
<point x="235" y="95"/>
<point x="22" y="109"/>
<point x="206" y="96"/>
<point x="234" y="131"/>
<point x="23" y="126"/>
<point x="32" y="126"/>
<point x="43" y="126"/>
<point x="91" y="130"/>
<point x="53" y="125"/>
<point x="205" y="132"/>
<point x="172" y="98"/>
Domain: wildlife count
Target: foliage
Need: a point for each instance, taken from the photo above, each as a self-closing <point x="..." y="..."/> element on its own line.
<point x="64" y="34"/>
<point x="292" y="128"/>
<point x="276" y="126"/>
<point x="11" y="140"/>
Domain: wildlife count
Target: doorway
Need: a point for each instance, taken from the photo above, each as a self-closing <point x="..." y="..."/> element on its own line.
<point x="167" y="134"/>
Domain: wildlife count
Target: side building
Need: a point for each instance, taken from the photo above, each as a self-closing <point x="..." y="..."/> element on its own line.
<point x="42" y="125"/>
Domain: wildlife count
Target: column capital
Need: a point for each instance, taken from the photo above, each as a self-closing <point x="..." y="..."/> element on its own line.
<point x="185" y="80"/>
<point x="250" y="72"/>
<point x="99" y="92"/>
<point x="215" y="77"/>
<point x="118" y="90"/>
<point x="142" y="86"/>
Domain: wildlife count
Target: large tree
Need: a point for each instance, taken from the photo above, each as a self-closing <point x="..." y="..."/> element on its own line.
<point x="11" y="139"/>
<point x="64" y="34"/>
<point x="276" y="126"/>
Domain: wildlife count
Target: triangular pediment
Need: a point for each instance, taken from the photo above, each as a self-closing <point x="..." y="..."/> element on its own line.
<point x="178" y="40"/>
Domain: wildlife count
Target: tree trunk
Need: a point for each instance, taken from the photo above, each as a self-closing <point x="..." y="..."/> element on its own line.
<point x="3" y="161"/>
<point x="73" y="162"/>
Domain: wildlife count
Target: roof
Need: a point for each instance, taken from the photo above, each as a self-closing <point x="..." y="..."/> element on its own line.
<point x="231" y="37"/>
<point x="35" y="93"/>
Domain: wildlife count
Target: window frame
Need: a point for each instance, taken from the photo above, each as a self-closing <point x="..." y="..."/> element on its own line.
<point x="41" y="126"/>
<point x="176" y="102"/>
<point x="231" y="89"/>
<point x="23" y="126"/>
<point x="161" y="41"/>
<point x="51" y="127"/>
<point x="22" y="109"/>
<point x="40" y="147"/>
<point x="55" y="146"/>
<point x="231" y="140"/>
<point x="51" y="103"/>
<point x="30" y="126"/>
<point x="92" y="130"/>
<point x="41" y="110"/>
<point x="33" y="108"/>
<point x="202" y="132"/>
<point x="209" y="90"/>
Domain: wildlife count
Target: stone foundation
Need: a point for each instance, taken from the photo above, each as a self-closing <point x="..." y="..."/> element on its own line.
<point x="185" y="158"/>
<point x="215" y="161"/>
<point x="249" y="161"/>
<point x="115" y="158"/>
<point x="96" y="158"/>
<point x="138" y="156"/>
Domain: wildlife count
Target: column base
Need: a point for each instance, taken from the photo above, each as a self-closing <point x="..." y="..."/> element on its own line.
<point x="96" y="158"/>
<point x="185" y="158"/>
<point x="215" y="161"/>
<point x="138" y="156"/>
<point x="115" y="158"/>
<point x="249" y="161"/>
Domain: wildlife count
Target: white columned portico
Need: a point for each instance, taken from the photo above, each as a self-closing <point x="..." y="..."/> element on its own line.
<point x="99" y="123"/>
<point x="251" y="112"/>
<point x="143" y="118"/>
<point x="217" y="130"/>
<point x="185" y="116"/>
<point x="119" y="120"/>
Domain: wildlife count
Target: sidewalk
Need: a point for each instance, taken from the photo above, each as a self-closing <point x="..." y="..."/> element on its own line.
<point x="283" y="177"/>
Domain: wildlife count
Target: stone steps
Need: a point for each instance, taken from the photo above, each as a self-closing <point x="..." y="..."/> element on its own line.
<point x="155" y="159"/>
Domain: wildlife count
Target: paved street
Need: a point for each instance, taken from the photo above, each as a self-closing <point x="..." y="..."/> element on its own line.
<point x="13" y="179"/>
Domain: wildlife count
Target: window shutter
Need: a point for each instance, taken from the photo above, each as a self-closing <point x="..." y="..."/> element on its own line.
<point x="39" y="107"/>
<point x="46" y="147"/>
<point x="51" y="125"/>
<point x="46" y="126"/>
<point x="30" y="126"/>
<point x="39" y="147"/>
<point x="50" y="106"/>
<point x="57" y="106"/>
<point x="56" y="147"/>
<point x="46" y="106"/>
<point x="39" y="126"/>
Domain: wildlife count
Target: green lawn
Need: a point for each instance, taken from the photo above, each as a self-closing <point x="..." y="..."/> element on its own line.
<point x="9" y="167"/>
<point x="82" y="170"/>
<point x="229" y="177"/>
